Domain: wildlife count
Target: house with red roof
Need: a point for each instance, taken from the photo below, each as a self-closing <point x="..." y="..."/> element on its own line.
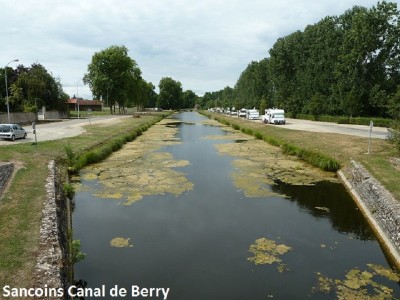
<point x="75" y="104"/>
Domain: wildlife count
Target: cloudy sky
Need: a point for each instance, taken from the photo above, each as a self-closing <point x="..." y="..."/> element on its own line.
<point x="203" y="44"/>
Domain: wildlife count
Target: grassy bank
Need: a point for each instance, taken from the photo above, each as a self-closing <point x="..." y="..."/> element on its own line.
<point x="21" y="205"/>
<point x="328" y="151"/>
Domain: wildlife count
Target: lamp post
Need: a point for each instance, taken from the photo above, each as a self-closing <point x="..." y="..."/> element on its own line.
<point x="5" y="76"/>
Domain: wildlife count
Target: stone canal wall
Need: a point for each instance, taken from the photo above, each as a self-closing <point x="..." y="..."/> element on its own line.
<point x="378" y="206"/>
<point x="6" y="170"/>
<point x="52" y="267"/>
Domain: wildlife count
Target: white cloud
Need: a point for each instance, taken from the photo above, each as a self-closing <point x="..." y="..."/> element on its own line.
<point x="203" y="44"/>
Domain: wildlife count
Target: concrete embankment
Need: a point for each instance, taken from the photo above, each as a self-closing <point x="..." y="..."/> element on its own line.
<point x="379" y="207"/>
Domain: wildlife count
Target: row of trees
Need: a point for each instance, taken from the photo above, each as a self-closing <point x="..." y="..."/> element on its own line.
<point x="116" y="78"/>
<point x="342" y="65"/>
<point x="112" y="76"/>
<point x="30" y="88"/>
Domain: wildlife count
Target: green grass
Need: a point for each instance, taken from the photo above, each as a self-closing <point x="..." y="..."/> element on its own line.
<point x="21" y="205"/>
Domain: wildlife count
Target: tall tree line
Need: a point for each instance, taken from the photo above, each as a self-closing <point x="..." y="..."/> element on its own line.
<point x="342" y="65"/>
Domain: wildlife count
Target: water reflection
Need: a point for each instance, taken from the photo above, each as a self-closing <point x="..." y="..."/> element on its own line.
<point x="341" y="210"/>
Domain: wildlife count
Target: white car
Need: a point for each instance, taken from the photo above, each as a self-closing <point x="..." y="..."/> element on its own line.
<point x="12" y="131"/>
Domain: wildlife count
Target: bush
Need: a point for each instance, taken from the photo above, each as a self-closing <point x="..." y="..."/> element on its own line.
<point x="69" y="190"/>
<point x="258" y="135"/>
<point x="76" y="254"/>
<point x="235" y="126"/>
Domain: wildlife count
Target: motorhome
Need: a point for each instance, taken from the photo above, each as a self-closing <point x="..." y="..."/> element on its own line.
<point x="252" y="114"/>
<point x="274" y="116"/>
<point x="242" y="113"/>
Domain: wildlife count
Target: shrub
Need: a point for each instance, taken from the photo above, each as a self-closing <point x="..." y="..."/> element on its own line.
<point x="69" y="190"/>
<point x="258" y="135"/>
<point x="272" y="141"/>
<point x="235" y="126"/>
<point x="71" y="156"/>
<point x="76" y="254"/>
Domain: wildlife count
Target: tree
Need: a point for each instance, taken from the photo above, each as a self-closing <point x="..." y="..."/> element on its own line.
<point x="111" y="75"/>
<point x="170" y="96"/>
<point x="143" y="94"/>
<point x="34" y="87"/>
<point x="189" y="99"/>
<point x="263" y="106"/>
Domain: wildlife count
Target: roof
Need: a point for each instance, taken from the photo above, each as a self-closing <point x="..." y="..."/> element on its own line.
<point x="84" y="102"/>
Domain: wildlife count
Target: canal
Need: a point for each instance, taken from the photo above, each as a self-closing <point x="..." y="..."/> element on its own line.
<point x="199" y="209"/>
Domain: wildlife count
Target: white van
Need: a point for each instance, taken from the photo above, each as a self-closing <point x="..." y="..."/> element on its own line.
<point x="252" y="114"/>
<point x="242" y="113"/>
<point x="274" y="116"/>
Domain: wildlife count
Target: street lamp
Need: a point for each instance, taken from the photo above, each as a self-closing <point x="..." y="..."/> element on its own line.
<point x="5" y="76"/>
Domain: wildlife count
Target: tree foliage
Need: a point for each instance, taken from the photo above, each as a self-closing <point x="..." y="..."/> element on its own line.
<point x="170" y="96"/>
<point x="342" y="65"/>
<point x="114" y="76"/>
<point x="30" y="88"/>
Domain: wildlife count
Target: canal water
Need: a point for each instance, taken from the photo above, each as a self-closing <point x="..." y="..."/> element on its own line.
<point x="211" y="241"/>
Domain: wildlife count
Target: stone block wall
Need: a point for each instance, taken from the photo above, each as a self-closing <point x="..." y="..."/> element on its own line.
<point x="53" y="267"/>
<point x="380" y="206"/>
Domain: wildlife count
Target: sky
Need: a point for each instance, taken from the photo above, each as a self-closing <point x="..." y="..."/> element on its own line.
<point x="204" y="44"/>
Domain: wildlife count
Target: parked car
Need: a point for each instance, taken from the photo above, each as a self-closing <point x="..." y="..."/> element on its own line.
<point x="12" y="131"/>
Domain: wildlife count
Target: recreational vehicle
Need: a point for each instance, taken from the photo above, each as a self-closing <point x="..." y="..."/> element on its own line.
<point x="274" y="116"/>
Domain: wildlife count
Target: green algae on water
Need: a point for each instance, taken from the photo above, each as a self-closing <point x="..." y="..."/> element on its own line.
<point x="120" y="242"/>
<point x="259" y="165"/>
<point x="267" y="251"/>
<point x="140" y="168"/>
<point x="360" y="284"/>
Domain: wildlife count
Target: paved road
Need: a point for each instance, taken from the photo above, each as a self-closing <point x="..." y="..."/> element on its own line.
<point x="62" y="129"/>
<point x="355" y="130"/>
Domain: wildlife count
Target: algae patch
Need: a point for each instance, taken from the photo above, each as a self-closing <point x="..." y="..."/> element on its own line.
<point x="360" y="284"/>
<point x="120" y="242"/>
<point x="259" y="165"/>
<point x="267" y="251"/>
<point x="140" y="168"/>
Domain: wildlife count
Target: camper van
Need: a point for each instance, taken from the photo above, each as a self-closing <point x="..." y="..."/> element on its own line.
<point x="242" y="113"/>
<point x="252" y="114"/>
<point x="274" y="116"/>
